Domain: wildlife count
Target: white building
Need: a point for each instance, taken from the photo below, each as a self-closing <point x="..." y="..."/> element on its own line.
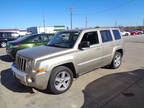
<point x="23" y="32"/>
<point x="52" y="29"/>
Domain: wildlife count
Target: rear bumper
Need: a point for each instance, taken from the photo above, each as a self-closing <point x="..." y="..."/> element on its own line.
<point x="37" y="81"/>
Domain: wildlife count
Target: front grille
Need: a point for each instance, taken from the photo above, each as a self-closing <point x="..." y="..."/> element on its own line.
<point x="21" y="63"/>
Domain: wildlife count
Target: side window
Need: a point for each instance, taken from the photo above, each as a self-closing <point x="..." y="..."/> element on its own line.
<point x="116" y="34"/>
<point x="65" y="36"/>
<point x="106" y="36"/>
<point x="92" y="37"/>
<point x="44" y="38"/>
<point x="50" y="36"/>
<point x="33" y="39"/>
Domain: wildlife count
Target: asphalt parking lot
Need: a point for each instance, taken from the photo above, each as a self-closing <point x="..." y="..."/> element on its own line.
<point x="102" y="88"/>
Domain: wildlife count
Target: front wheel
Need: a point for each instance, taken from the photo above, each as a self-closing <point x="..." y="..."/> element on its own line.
<point x="116" y="62"/>
<point x="60" y="80"/>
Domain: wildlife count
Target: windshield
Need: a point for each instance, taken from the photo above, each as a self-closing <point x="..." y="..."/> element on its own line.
<point x="64" y="39"/>
<point x="24" y="38"/>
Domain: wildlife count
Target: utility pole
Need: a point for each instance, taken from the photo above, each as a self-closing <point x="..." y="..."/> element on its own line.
<point x="143" y="21"/>
<point x="71" y="9"/>
<point x="86" y="22"/>
<point x="115" y="23"/>
<point x="44" y="22"/>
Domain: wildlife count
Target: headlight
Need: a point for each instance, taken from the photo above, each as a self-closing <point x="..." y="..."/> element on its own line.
<point x="29" y="64"/>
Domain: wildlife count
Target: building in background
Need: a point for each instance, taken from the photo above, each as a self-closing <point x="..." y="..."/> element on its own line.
<point x="47" y="29"/>
<point x="23" y="32"/>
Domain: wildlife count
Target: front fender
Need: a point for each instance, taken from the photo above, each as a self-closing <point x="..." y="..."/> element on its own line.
<point x="50" y="64"/>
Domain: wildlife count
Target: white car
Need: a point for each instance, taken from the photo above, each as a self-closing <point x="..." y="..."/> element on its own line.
<point x="124" y="33"/>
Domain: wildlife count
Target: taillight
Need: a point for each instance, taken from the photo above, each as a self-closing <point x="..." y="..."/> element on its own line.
<point x="14" y="46"/>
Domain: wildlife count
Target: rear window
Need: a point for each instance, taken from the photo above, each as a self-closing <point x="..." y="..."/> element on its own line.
<point x="116" y="34"/>
<point x="106" y="36"/>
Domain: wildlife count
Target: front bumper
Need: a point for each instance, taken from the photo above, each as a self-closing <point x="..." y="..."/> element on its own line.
<point x="39" y="81"/>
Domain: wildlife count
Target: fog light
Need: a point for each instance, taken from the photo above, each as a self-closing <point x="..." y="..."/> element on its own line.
<point x="29" y="80"/>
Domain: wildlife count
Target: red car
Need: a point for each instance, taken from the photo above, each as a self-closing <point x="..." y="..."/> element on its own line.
<point x="135" y="32"/>
<point x="131" y="32"/>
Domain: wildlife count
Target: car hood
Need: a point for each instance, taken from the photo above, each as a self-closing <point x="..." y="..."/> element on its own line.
<point x="40" y="51"/>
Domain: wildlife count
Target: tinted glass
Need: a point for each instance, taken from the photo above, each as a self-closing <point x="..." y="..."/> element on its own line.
<point x="50" y="36"/>
<point x="24" y="39"/>
<point x="106" y="36"/>
<point x="92" y="37"/>
<point x="116" y="34"/>
<point x="35" y="39"/>
<point x="44" y="38"/>
<point x="64" y="39"/>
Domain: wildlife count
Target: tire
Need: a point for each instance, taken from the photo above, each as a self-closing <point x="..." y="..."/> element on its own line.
<point x="3" y="44"/>
<point x="139" y="33"/>
<point x="116" y="62"/>
<point x="60" y="80"/>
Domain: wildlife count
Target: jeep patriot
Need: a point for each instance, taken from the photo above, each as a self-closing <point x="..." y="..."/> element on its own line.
<point x="68" y="55"/>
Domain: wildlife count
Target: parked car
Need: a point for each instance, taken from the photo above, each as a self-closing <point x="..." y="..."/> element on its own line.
<point x="27" y="42"/>
<point x="138" y="32"/>
<point x="7" y="36"/>
<point x="134" y="32"/>
<point x="142" y="31"/>
<point x="124" y="33"/>
<point x="68" y="55"/>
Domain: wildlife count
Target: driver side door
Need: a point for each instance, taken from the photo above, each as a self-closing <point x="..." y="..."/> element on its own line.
<point x="89" y="58"/>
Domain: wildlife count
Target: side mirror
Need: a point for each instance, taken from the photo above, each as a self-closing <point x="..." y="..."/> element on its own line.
<point x="84" y="44"/>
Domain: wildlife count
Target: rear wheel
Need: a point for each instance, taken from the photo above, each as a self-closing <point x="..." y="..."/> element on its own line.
<point x="126" y="34"/>
<point x="116" y="62"/>
<point x="60" y="80"/>
<point x="3" y="44"/>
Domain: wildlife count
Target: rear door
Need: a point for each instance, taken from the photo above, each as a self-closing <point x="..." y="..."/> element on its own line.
<point x="107" y="46"/>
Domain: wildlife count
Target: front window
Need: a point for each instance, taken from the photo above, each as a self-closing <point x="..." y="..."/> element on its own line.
<point x="91" y="37"/>
<point x="64" y="39"/>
